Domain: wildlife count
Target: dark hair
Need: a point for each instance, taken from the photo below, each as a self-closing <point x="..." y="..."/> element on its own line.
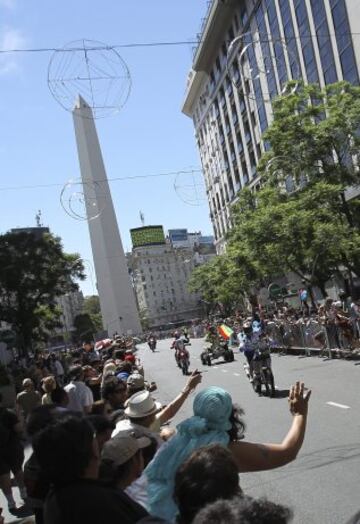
<point x="119" y="354"/>
<point x="98" y="407"/>
<point x="208" y="474"/>
<point x="64" y="449"/>
<point x="100" y="423"/>
<point x="124" y="367"/>
<point x="237" y="424"/>
<point x="75" y="372"/>
<point x="110" y="385"/>
<point x="58" y="395"/>
<point x="40" y="417"/>
<point x="245" y="510"/>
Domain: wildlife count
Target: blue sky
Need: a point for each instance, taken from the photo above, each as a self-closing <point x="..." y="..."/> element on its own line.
<point x="150" y="135"/>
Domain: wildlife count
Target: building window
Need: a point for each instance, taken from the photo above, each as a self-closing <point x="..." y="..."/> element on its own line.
<point x="290" y="38"/>
<point x="276" y="37"/>
<point x="344" y="41"/>
<point x="306" y="40"/>
<point x="266" y="51"/>
<point x="323" y="40"/>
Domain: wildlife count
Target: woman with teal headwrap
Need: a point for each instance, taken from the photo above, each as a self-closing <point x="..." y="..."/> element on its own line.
<point x="211" y="424"/>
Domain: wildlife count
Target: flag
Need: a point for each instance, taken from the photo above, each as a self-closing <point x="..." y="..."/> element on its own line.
<point x="225" y="331"/>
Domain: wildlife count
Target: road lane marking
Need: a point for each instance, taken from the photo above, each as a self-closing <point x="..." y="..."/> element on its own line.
<point x="342" y="406"/>
<point x="224" y="370"/>
<point x="237" y="374"/>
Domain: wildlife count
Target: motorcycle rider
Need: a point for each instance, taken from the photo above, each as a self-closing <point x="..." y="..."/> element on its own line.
<point x="179" y="346"/>
<point x="249" y="346"/>
<point x="151" y="340"/>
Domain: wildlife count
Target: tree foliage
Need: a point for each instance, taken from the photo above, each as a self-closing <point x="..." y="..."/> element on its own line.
<point x="84" y="328"/>
<point x="300" y="220"/>
<point x="33" y="272"/>
<point x="92" y="308"/>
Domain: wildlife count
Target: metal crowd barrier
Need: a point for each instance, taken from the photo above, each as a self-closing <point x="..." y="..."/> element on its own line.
<point x="313" y="335"/>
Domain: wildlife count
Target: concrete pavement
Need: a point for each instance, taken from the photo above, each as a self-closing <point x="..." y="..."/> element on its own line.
<point x="322" y="485"/>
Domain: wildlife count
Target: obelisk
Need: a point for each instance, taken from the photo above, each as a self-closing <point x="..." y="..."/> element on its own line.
<point x="117" y="298"/>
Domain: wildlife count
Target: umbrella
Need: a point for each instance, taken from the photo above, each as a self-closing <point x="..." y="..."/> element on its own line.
<point x="102" y="344"/>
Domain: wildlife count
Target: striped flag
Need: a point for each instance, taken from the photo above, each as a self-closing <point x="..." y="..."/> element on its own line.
<point x="225" y="331"/>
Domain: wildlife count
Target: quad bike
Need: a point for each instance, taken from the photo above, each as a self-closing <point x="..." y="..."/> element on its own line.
<point x="217" y="351"/>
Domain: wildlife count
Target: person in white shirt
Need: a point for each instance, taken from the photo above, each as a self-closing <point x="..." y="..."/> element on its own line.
<point x="80" y="395"/>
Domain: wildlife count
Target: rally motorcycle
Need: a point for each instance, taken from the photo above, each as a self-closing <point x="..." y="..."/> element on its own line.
<point x="152" y="344"/>
<point x="260" y="372"/>
<point x="182" y="356"/>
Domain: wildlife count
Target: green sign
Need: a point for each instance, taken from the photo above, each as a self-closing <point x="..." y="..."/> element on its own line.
<point x="147" y="236"/>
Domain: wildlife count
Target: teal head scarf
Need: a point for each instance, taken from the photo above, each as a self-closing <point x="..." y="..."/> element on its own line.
<point x="209" y="425"/>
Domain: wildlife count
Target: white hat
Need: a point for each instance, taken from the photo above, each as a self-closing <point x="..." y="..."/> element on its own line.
<point x="141" y="405"/>
<point x="122" y="448"/>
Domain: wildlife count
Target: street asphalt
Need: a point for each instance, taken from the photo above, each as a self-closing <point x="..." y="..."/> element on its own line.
<point x="322" y="484"/>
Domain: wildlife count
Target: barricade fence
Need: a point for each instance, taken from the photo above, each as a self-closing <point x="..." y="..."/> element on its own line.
<point x="314" y="335"/>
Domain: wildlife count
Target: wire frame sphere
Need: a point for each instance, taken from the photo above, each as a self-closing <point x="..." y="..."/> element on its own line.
<point x="252" y="62"/>
<point x="93" y="70"/>
<point x="190" y="188"/>
<point x="83" y="201"/>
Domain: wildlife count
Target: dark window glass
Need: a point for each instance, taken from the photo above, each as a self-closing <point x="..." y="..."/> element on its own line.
<point x="344" y="41"/>
<point x="290" y="38"/>
<point x="324" y="42"/>
<point x="266" y="52"/>
<point x="306" y="40"/>
<point x="276" y="36"/>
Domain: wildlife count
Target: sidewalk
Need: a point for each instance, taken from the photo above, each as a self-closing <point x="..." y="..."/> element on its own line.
<point x="345" y="354"/>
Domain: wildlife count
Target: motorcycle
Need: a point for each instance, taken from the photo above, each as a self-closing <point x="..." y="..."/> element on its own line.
<point x="152" y="344"/>
<point x="183" y="360"/>
<point x="182" y="357"/>
<point x="262" y="373"/>
<point x="259" y="372"/>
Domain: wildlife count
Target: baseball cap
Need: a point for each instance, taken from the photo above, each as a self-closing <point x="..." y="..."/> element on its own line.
<point x="135" y="380"/>
<point x="123" y="375"/>
<point x="122" y="448"/>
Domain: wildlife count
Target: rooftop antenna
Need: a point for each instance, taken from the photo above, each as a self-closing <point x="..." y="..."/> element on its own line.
<point x="38" y="219"/>
<point x="142" y="218"/>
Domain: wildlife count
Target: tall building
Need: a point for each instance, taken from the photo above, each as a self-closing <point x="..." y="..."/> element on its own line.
<point x="117" y="299"/>
<point x="230" y="101"/>
<point x="71" y="305"/>
<point x="160" y="275"/>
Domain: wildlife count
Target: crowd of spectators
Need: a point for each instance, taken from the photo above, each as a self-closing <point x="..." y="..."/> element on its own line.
<point x="103" y="448"/>
<point x="333" y="326"/>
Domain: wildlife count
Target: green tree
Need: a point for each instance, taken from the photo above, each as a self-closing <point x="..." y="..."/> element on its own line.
<point x="33" y="272"/>
<point x="84" y="327"/>
<point x="223" y="282"/>
<point x="300" y="220"/>
<point x="92" y="308"/>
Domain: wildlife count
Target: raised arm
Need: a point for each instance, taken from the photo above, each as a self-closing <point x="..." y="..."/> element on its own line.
<point x="257" y="457"/>
<point x="174" y="406"/>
